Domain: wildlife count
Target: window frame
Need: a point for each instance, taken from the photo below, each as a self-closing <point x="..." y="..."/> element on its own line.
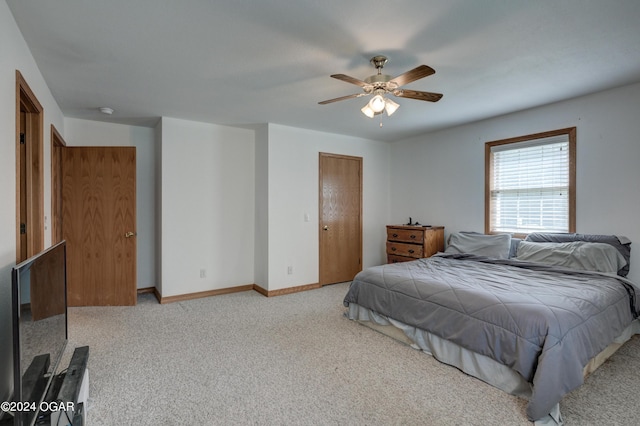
<point x="571" y="133"/>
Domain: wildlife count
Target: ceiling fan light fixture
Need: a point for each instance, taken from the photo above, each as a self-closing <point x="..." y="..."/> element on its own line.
<point x="377" y="103"/>
<point x="391" y="106"/>
<point x="366" y="110"/>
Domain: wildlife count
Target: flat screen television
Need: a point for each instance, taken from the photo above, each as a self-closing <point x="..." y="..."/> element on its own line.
<point x="39" y="291"/>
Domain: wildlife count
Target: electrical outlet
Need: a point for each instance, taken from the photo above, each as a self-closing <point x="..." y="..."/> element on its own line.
<point x="289" y="270"/>
<point x="203" y="273"/>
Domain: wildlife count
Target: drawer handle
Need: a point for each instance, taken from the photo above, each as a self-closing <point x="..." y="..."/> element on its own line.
<point x="413" y="236"/>
<point x="395" y="235"/>
<point x="393" y="249"/>
<point x="411" y="251"/>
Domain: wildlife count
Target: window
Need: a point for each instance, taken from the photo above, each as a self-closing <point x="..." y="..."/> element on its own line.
<point x="530" y="183"/>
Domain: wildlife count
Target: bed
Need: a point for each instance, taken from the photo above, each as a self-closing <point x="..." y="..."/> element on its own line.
<point x="532" y="317"/>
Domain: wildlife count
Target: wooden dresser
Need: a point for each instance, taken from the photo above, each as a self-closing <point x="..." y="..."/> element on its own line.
<point x="405" y="242"/>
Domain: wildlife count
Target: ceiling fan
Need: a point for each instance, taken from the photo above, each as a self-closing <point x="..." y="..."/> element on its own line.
<point x="380" y="85"/>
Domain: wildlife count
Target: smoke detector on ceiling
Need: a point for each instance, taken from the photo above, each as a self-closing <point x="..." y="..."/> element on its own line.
<point x="106" y="110"/>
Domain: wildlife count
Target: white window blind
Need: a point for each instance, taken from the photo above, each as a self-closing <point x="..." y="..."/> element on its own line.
<point x="529" y="187"/>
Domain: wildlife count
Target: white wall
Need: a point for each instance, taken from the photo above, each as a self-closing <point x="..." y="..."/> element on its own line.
<point x="293" y="176"/>
<point x="15" y="55"/>
<point x="232" y="201"/>
<point x="96" y="133"/>
<point x="439" y="177"/>
<point x="207" y="206"/>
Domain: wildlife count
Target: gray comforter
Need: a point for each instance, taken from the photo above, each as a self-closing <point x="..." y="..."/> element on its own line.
<point x="544" y="322"/>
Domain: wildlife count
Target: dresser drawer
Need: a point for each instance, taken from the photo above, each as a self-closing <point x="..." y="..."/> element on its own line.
<point x="406" y="235"/>
<point x="404" y="249"/>
<point x="392" y="258"/>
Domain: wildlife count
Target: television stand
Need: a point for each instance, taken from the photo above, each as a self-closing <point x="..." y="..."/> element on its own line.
<point x="73" y="391"/>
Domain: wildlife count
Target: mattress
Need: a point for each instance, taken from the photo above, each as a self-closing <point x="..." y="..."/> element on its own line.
<point x="543" y="323"/>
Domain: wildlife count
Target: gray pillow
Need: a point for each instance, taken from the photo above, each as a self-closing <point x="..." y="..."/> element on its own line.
<point x="514" y="246"/>
<point x="494" y="246"/>
<point x="581" y="255"/>
<point x="622" y="244"/>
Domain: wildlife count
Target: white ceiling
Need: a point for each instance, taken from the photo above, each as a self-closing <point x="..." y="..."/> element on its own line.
<point x="240" y="62"/>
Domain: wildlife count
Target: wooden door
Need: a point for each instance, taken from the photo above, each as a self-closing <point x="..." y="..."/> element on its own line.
<point x="340" y="218"/>
<point x="99" y="222"/>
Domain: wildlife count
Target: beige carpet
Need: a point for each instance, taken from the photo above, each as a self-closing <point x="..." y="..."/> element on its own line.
<point x="243" y="359"/>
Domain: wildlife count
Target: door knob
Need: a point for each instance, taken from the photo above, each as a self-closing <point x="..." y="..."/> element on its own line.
<point x="326" y="228"/>
<point x="129" y="234"/>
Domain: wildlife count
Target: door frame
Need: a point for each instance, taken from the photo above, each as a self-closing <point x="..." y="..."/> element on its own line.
<point x="322" y="274"/>
<point x="57" y="144"/>
<point x="33" y="192"/>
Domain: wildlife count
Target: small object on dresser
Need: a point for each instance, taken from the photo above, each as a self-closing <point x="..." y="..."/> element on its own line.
<point x="411" y="223"/>
<point x="408" y="242"/>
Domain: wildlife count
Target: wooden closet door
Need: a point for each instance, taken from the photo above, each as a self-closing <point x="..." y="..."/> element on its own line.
<point x="340" y="218"/>
<point x="99" y="222"/>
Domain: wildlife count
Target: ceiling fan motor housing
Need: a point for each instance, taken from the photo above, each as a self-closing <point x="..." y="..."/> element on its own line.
<point x="381" y="81"/>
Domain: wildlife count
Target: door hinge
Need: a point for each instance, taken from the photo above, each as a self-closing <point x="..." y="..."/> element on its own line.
<point x="22" y="138"/>
<point x="23" y="228"/>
